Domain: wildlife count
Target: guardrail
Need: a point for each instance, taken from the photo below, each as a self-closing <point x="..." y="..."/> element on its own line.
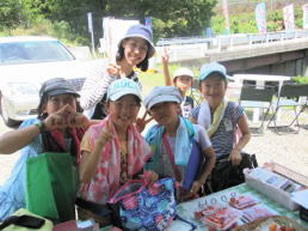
<point x="188" y="48"/>
<point x="233" y="39"/>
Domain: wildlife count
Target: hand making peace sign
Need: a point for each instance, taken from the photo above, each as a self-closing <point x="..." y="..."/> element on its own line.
<point x="142" y="122"/>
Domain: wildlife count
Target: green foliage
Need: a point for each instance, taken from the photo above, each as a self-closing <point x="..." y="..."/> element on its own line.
<point x="10" y="14"/>
<point x="170" y="18"/>
<point x="218" y="24"/>
<point x="60" y="30"/>
<point x="67" y="20"/>
<point x="300" y="79"/>
<point x="246" y="23"/>
<point x="298" y="17"/>
<point x="275" y="21"/>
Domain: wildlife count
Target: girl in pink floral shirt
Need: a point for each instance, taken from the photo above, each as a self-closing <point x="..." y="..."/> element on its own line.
<point x="113" y="151"/>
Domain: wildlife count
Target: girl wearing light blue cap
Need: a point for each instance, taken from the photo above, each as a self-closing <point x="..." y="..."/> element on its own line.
<point x="134" y="50"/>
<point x="219" y="117"/>
<point x="175" y="142"/>
<point x="113" y="151"/>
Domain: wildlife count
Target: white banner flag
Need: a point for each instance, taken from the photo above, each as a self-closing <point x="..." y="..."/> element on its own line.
<point x="288" y="17"/>
<point x="260" y="13"/>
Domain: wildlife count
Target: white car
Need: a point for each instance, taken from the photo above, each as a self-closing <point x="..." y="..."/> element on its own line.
<point x="25" y="63"/>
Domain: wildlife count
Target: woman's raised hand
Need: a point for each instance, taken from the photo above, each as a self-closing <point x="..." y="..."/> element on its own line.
<point x="113" y="69"/>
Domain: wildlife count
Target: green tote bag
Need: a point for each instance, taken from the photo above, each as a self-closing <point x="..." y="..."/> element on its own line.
<point x="51" y="186"/>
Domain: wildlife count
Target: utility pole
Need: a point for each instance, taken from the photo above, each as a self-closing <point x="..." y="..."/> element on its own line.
<point x="91" y="30"/>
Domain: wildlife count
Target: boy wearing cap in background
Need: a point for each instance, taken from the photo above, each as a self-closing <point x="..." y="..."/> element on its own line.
<point x="182" y="79"/>
<point x="134" y="50"/>
<point x="58" y="128"/>
<point x="113" y="151"/>
<point x="172" y="139"/>
<point x="219" y="117"/>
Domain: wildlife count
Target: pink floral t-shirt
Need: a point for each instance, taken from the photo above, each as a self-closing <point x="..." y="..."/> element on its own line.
<point x="107" y="178"/>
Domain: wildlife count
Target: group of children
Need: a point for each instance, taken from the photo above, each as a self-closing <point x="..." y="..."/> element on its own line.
<point x="111" y="151"/>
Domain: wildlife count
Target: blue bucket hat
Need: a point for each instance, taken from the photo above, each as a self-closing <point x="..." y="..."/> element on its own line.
<point x="211" y="68"/>
<point x="143" y="32"/>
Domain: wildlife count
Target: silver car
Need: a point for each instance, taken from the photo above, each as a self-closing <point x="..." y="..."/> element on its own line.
<point x="25" y="63"/>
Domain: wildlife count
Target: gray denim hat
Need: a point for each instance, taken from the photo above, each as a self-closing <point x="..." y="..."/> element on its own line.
<point x="121" y="87"/>
<point x="57" y="86"/>
<point x="162" y="94"/>
<point x="211" y="68"/>
<point x="143" y="32"/>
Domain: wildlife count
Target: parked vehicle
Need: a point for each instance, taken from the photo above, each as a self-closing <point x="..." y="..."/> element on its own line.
<point x="25" y="63"/>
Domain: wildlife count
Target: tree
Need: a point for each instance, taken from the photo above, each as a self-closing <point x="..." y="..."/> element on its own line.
<point x="170" y="18"/>
<point x="10" y="13"/>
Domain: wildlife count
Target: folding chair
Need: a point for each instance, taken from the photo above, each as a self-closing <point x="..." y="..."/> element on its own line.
<point x="257" y="98"/>
<point x="289" y="98"/>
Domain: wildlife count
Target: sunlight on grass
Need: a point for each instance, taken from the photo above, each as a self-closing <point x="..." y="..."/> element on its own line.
<point x="150" y="79"/>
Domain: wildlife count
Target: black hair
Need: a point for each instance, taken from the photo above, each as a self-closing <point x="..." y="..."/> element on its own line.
<point x="144" y="65"/>
<point x="43" y="101"/>
<point x="136" y="98"/>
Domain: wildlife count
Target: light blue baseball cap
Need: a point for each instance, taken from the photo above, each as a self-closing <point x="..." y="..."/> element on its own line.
<point x="122" y="87"/>
<point x="211" y="68"/>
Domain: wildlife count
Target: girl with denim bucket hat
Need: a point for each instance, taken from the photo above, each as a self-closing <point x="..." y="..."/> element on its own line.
<point x="182" y="79"/>
<point x="219" y="117"/>
<point x="134" y="50"/>
<point x="59" y="128"/>
<point x="173" y="140"/>
<point x="113" y="151"/>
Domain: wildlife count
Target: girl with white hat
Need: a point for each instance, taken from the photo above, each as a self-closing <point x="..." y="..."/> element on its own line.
<point x="182" y="79"/>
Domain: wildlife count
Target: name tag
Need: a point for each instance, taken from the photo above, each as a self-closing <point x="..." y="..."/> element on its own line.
<point x="228" y="125"/>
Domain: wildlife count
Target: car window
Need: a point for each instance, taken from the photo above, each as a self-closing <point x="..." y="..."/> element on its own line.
<point x="36" y="51"/>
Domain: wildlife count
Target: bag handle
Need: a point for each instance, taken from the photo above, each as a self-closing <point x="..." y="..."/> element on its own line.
<point x="117" y="198"/>
<point x="171" y="158"/>
<point x="27" y="221"/>
<point x="193" y="226"/>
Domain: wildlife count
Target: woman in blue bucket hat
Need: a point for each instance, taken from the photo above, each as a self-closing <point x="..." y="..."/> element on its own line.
<point x="134" y="50"/>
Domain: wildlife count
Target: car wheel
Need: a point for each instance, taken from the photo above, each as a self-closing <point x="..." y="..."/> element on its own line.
<point x="8" y="122"/>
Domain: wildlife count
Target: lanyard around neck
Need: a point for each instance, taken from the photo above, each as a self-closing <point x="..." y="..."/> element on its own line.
<point x="171" y="158"/>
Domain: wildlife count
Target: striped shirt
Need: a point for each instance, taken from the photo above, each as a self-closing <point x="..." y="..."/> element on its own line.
<point x="223" y="138"/>
<point x="96" y="85"/>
